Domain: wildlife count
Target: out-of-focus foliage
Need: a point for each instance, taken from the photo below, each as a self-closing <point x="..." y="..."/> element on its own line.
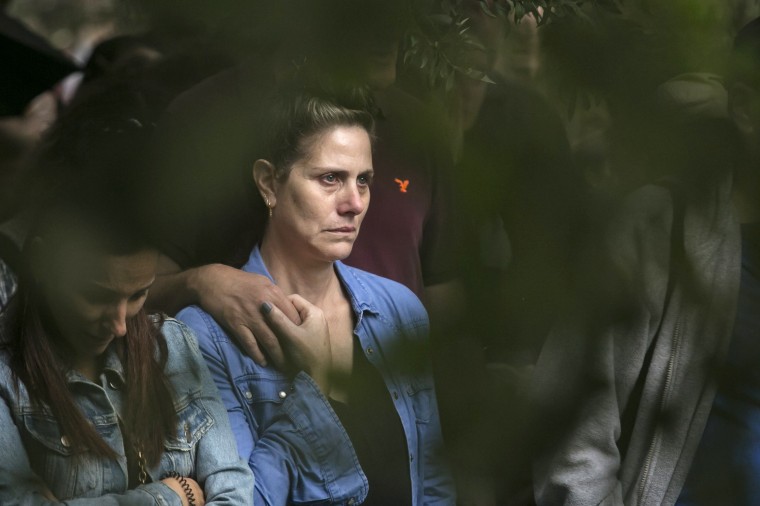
<point x="438" y="42"/>
<point x="440" y="38"/>
<point x="624" y="49"/>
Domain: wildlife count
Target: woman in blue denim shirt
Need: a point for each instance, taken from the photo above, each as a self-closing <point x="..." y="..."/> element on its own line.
<point x="101" y="404"/>
<point x="358" y="409"/>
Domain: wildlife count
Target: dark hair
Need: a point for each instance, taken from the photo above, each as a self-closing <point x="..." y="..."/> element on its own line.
<point x="88" y="175"/>
<point x="295" y="115"/>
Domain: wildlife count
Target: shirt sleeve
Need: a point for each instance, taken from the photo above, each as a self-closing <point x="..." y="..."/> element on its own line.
<point x="21" y="486"/>
<point x="225" y="479"/>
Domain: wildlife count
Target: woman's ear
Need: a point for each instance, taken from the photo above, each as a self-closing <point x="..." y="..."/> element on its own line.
<point x="264" y="177"/>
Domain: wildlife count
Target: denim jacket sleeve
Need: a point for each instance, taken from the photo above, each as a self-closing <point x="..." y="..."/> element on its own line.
<point x="225" y="479"/>
<point x="304" y="454"/>
<point x="21" y="486"/>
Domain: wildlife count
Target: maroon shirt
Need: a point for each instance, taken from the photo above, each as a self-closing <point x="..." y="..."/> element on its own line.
<point x="404" y="236"/>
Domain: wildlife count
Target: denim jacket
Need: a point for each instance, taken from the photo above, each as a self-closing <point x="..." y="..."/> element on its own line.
<point x="37" y="456"/>
<point x="314" y="461"/>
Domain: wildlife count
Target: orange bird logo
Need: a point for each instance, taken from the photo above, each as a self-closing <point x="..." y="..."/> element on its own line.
<point x="402" y="184"/>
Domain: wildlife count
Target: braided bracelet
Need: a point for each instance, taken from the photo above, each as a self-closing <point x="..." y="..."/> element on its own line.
<point x="185" y="486"/>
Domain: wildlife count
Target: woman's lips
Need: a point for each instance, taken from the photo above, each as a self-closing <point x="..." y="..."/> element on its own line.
<point x="342" y="230"/>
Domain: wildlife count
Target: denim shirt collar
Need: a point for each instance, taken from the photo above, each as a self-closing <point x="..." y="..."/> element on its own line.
<point x="358" y="294"/>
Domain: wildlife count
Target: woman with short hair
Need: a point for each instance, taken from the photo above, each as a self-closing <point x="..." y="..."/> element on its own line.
<point x="360" y="395"/>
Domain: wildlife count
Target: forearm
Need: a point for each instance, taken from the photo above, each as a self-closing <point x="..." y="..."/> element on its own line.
<point x="152" y="494"/>
<point x="172" y="292"/>
<point x="175" y="288"/>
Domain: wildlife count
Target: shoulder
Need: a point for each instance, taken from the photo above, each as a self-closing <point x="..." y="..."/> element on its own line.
<point x="202" y="324"/>
<point x="387" y="297"/>
<point x="185" y="364"/>
<point x="641" y="222"/>
<point x="179" y="338"/>
<point x="214" y="342"/>
<point x="218" y="92"/>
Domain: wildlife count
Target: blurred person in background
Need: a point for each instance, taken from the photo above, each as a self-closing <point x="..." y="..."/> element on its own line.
<point x="524" y="205"/>
<point x="652" y="378"/>
<point x="28" y="106"/>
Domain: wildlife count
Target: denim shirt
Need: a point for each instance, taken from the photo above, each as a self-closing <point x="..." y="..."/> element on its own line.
<point x="37" y="456"/>
<point x="314" y="460"/>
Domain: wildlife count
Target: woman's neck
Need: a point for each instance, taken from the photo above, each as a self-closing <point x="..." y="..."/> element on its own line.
<point x="314" y="281"/>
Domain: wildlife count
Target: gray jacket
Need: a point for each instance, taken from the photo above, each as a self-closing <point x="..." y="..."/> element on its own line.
<point x="585" y="376"/>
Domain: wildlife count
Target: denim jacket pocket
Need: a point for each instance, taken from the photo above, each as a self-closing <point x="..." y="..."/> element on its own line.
<point x="193" y="422"/>
<point x="67" y="473"/>
<point x="420" y="391"/>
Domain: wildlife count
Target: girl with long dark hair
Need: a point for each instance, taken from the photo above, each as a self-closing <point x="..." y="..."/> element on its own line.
<point x="101" y="403"/>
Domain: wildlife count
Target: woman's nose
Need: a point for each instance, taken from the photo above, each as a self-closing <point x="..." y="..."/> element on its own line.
<point x="117" y="319"/>
<point x="352" y="200"/>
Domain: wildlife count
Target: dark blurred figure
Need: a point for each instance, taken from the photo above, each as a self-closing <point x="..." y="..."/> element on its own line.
<point x="124" y="54"/>
<point x="126" y="71"/>
<point x="648" y="389"/>
<point x="524" y="204"/>
<point x="30" y="69"/>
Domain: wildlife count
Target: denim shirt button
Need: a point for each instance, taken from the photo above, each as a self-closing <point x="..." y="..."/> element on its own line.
<point x="65" y="441"/>
<point x="283" y="394"/>
<point x="113" y="385"/>
<point x="248" y="395"/>
<point x="370" y="351"/>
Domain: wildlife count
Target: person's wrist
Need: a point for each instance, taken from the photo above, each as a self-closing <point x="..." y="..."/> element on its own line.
<point x="182" y="488"/>
<point x="198" y="280"/>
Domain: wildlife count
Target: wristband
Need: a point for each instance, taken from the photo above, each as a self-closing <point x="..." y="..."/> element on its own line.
<point x="185" y="486"/>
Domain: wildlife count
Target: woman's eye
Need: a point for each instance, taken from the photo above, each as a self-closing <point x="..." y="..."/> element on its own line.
<point x="364" y="180"/>
<point x="95" y="296"/>
<point x="330" y="178"/>
<point x="139" y="295"/>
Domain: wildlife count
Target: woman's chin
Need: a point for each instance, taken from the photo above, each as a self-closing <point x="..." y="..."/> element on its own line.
<point x="338" y="252"/>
